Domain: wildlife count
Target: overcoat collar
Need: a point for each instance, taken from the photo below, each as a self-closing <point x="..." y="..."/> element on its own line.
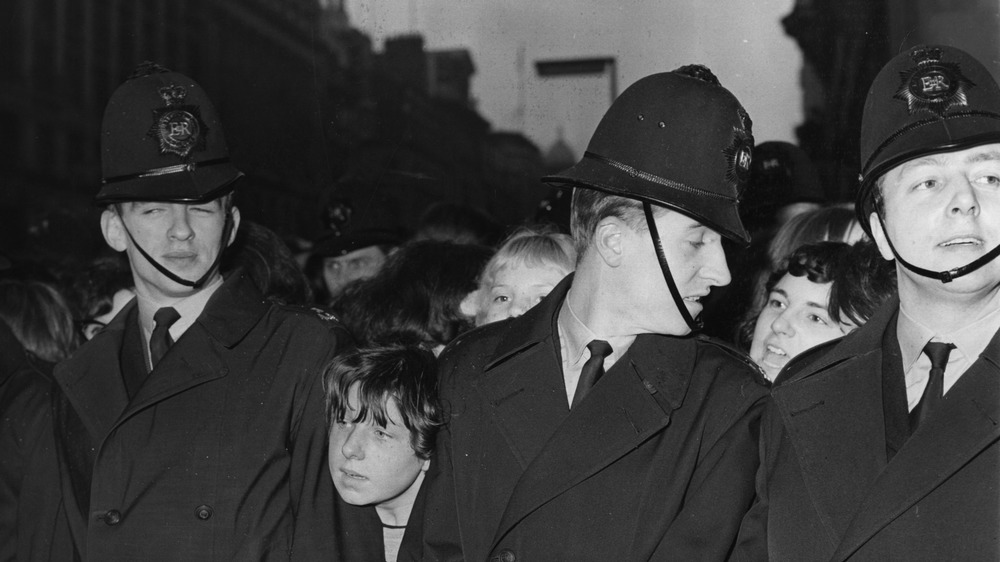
<point x="523" y="385"/>
<point x="92" y="380"/>
<point x="833" y="411"/>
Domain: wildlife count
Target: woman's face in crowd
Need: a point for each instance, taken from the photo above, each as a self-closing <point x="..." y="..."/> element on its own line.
<point x="517" y="288"/>
<point x="794" y="319"/>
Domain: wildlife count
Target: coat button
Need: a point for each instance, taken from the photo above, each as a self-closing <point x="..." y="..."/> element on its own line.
<point x="507" y="555"/>
<point x="203" y="512"/>
<point x="112" y="517"/>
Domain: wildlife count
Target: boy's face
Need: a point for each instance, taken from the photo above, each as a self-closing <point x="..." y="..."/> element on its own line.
<point x="517" y="288"/>
<point x="370" y="464"/>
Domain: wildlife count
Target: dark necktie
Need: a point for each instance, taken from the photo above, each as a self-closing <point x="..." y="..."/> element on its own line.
<point x="592" y="369"/>
<point x="161" y="341"/>
<point x="934" y="391"/>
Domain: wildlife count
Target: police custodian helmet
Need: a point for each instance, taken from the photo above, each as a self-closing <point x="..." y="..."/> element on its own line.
<point x="161" y="140"/>
<point x="929" y="99"/>
<point x="676" y="139"/>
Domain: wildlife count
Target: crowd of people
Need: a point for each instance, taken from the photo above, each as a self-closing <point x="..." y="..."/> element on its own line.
<point x="710" y="361"/>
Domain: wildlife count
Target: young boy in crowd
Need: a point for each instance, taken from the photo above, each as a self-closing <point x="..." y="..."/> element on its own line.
<point x="383" y="415"/>
<point x="528" y="265"/>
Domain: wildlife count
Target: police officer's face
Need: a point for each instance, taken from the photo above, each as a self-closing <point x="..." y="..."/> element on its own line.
<point x="942" y="211"/>
<point x="359" y="264"/>
<point x="697" y="261"/>
<point x="185" y="239"/>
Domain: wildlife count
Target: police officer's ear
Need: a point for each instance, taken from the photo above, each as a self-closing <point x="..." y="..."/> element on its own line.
<point x="878" y="235"/>
<point x="234" y="214"/>
<point x="113" y="230"/>
<point x="609" y="239"/>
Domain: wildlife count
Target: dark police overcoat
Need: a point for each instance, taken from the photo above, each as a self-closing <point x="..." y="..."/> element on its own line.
<point x="657" y="463"/>
<point x="828" y="489"/>
<point x="220" y="455"/>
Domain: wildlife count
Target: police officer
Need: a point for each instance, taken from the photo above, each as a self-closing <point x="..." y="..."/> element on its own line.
<point x="192" y="426"/>
<point x="886" y="446"/>
<point x="590" y="428"/>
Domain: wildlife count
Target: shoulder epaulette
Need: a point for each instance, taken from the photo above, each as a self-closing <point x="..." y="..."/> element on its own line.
<point x="804" y="359"/>
<point x="737" y="354"/>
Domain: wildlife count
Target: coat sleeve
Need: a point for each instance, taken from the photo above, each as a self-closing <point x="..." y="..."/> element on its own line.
<point x="720" y="492"/>
<point x="751" y="543"/>
<point x="312" y="493"/>
<point x="441" y="537"/>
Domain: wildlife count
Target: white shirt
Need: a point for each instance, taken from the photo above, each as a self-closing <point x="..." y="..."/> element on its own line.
<point x="970" y="341"/>
<point x="189" y="308"/>
<point x="574" y="336"/>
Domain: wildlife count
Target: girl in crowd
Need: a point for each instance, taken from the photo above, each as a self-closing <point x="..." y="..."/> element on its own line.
<point x="822" y="292"/>
<point x="522" y="272"/>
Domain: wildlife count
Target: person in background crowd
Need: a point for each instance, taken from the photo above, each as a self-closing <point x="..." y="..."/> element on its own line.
<point x="383" y="413"/>
<point x="783" y="184"/>
<point x="886" y="446"/>
<point x="590" y="428"/>
<point x="458" y="223"/>
<point x="191" y="426"/>
<point x="528" y="265"/>
<point x="824" y="291"/>
<point x="834" y="223"/>
<point x="36" y="330"/>
<point x="40" y="318"/>
<point x="420" y="296"/>
<point x="99" y="291"/>
<point x="342" y="258"/>
<point x="265" y="258"/>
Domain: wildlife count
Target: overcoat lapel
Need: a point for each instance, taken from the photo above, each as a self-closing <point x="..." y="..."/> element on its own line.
<point x="191" y="361"/>
<point x="964" y="424"/>
<point x="98" y="399"/>
<point x="528" y="399"/>
<point x="834" y="418"/>
<point x="620" y="412"/>
<point x="524" y="383"/>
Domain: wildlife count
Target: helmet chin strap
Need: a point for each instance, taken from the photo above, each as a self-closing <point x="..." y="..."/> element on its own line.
<point x="226" y="230"/>
<point x="693" y="323"/>
<point x="942" y="276"/>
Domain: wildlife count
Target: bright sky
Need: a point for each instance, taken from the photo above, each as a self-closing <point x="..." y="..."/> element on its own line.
<point x="742" y="41"/>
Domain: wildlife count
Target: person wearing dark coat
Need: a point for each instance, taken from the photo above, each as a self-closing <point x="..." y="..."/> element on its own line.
<point x="886" y="445"/>
<point x="595" y="426"/>
<point x="191" y="427"/>
<point x="32" y="520"/>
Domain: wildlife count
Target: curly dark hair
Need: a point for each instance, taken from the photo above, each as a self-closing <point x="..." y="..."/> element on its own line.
<point x="862" y="284"/>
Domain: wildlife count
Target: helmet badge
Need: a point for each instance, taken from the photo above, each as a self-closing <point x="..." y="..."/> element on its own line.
<point x="933" y="85"/>
<point x="739" y="152"/>
<point x="178" y="127"/>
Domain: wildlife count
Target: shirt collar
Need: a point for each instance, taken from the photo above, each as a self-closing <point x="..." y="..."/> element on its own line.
<point x="970" y="340"/>
<point x="575" y="335"/>
<point x="189" y="308"/>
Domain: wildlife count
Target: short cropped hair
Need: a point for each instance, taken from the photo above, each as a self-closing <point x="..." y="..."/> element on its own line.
<point x="590" y="206"/>
<point x="404" y="373"/>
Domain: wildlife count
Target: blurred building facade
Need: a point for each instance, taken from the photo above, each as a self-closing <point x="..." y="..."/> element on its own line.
<point x="846" y="42"/>
<point x="311" y="113"/>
